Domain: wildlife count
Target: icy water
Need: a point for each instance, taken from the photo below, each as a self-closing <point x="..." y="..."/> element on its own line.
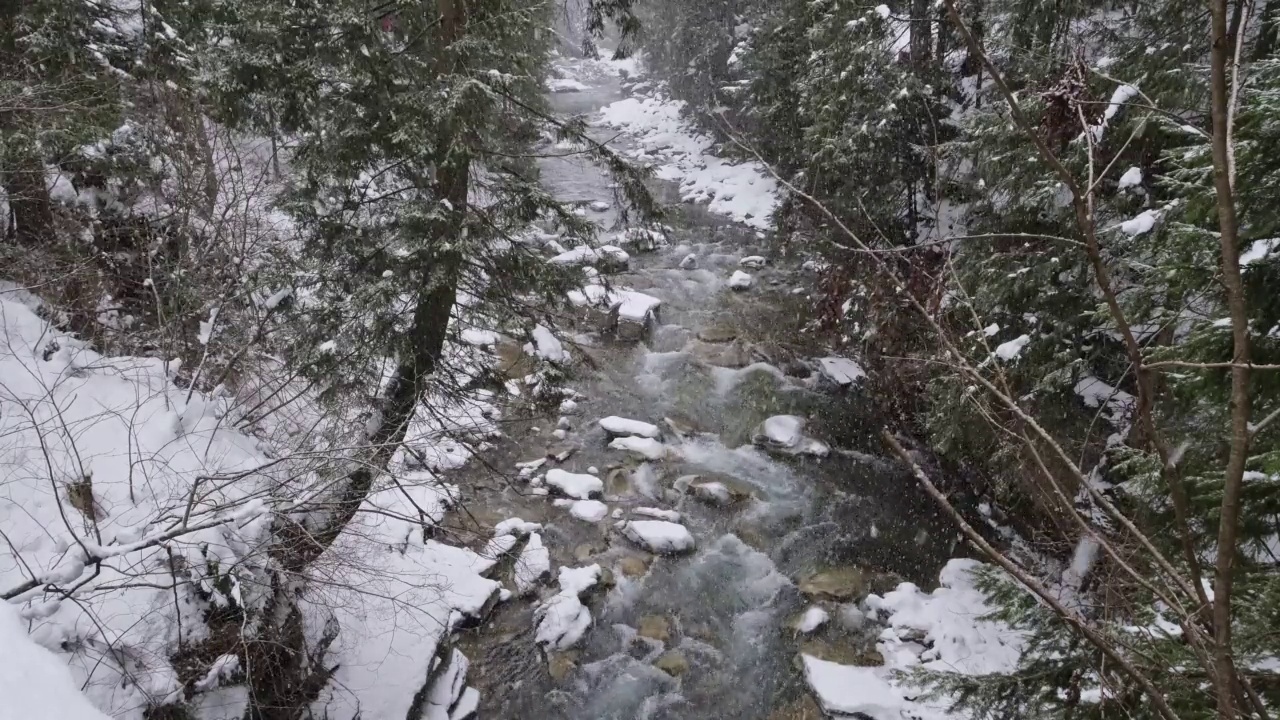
<point x="726" y="609"/>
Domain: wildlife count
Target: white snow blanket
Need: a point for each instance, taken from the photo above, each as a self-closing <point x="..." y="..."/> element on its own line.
<point x="744" y="191"/>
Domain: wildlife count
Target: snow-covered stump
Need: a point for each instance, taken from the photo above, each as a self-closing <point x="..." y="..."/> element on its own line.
<point x="660" y="537"/>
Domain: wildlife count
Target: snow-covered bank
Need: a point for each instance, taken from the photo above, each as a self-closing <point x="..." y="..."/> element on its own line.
<point x="942" y="631"/>
<point x="144" y="503"/>
<point x="744" y="191"/>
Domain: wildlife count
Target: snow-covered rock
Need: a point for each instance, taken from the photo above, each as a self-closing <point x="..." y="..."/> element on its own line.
<point x="580" y="255"/>
<point x="647" y="448"/>
<point x="657" y="536"/>
<point x="565" y="85"/>
<point x="620" y="426"/>
<point x="812" y="619"/>
<point x="659" y="513"/>
<point x="740" y="280"/>
<point x="574" y="485"/>
<point x="563" y="619"/>
<point x="841" y="371"/>
<point x="589" y="510"/>
<point x="599" y="206"/>
<point x="752" y="261"/>
<point x="846" y="690"/>
<point x="636" y="307"/>
<point x="613" y="258"/>
<point x="785" y="433"/>
<point x="533" y="565"/>
<point x="689" y="262"/>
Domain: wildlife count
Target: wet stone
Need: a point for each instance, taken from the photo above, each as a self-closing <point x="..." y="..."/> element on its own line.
<point x="804" y="708"/>
<point x="838" y="584"/>
<point x="839" y="652"/>
<point x="717" y="334"/>
<point x="672" y="662"/>
<point x="634" y="566"/>
<point x="560" y="664"/>
<point x="654" y="627"/>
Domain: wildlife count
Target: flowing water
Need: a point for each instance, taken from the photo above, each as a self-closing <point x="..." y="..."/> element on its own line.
<point x="726" y="609"/>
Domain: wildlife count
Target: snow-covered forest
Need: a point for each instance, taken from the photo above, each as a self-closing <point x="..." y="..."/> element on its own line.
<point x="774" y="359"/>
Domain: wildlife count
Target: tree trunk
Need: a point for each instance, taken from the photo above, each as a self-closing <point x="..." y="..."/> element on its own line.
<point x="1221" y="46"/>
<point x="921" y="34"/>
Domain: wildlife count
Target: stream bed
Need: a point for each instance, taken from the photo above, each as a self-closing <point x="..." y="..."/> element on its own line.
<point x="709" y="633"/>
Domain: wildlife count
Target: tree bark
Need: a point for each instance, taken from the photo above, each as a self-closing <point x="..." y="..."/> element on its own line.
<point x="1221" y="47"/>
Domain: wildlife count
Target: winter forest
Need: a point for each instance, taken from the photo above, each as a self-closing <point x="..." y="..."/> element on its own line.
<point x="639" y="359"/>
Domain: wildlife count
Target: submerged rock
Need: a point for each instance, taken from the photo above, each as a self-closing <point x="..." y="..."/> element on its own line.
<point x="689" y="262"/>
<point x="838" y="584"/>
<point x="654" y="627"/>
<point x="560" y="664"/>
<point x="718" y="334"/>
<point x="658" y="536"/>
<point x="785" y="433"/>
<point x="634" y="565"/>
<point x="672" y="662"/>
<point x="740" y="281"/>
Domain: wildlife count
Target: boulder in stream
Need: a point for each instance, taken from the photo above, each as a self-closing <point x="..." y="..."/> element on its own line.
<point x="657" y="536"/>
<point x="689" y="262"/>
<point x="837" y="584"/>
<point x="740" y="281"/>
<point x="620" y="427"/>
<point x="785" y="433"/>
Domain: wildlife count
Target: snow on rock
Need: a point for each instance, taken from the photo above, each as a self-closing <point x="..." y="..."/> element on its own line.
<point x="647" y="448"/>
<point x="533" y="564"/>
<point x="614" y="257"/>
<point x="565" y="85"/>
<point x="515" y="526"/>
<point x="447" y="687"/>
<point x="1012" y="349"/>
<point x="752" y="261"/>
<point x="599" y="206"/>
<point x="785" y="433"/>
<point x="689" y="262"/>
<point x="659" y="513"/>
<point x="841" y="371"/>
<point x="657" y="536"/>
<point x="846" y="690"/>
<point x="563" y="619"/>
<point x="740" y="280"/>
<point x="575" y="485"/>
<point x="34" y="682"/>
<point x="745" y="191"/>
<point x="1131" y="178"/>
<point x="588" y="510"/>
<point x="467" y="705"/>
<point x="618" y="426"/>
<point x="635" y="306"/>
<point x="580" y="255"/>
<point x="941" y="631"/>
<point x="548" y="345"/>
<point x="812" y="619"/>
